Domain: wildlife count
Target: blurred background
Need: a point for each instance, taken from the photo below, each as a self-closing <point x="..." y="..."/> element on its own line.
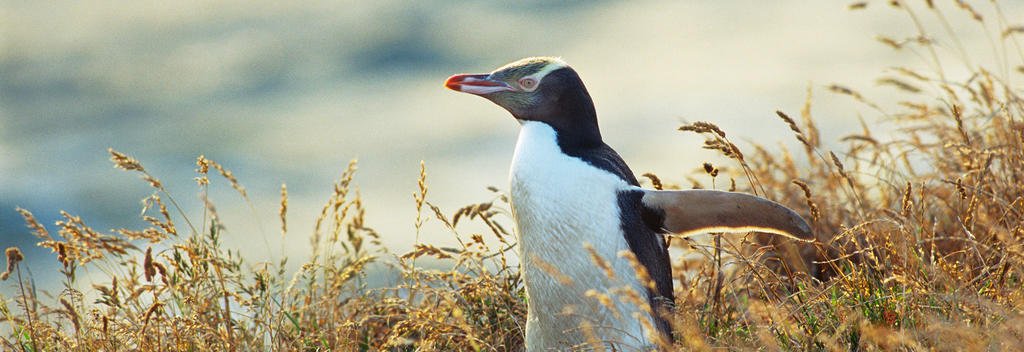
<point x="288" y="92"/>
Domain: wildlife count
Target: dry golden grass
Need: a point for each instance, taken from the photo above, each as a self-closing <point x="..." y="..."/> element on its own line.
<point x="920" y="247"/>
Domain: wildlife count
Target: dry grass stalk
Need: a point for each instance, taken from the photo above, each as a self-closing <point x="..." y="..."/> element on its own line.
<point x="148" y="269"/>
<point x="813" y="134"/>
<point x="796" y="129"/>
<point x="895" y="82"/>
<point x="125" y="162"/>
<point x="893" y="43"/>
<point x="641" y="271"/>
<point x="655" y="181"/>
<point x="703" y="127"/>
<point x="907" y="203"/>
<point x="839" y="89"/>
<point x="203" y="169"/>
<point x="600" y="261"/>
<point x="605" y="300"/>
<point x="283" y="210"/>
<point x="842" y="170"/>
<point x="552" y="270"/>
<point x="71" y="313"/>
<point x="815" y="212"/>
<point x="37" y="229"/>
<point x="205" y="164"/>
<point x="710" y="170"/>
<point x="719" y="142"/>
<point x="14" y="256"/>
<point x="967" y="7"/>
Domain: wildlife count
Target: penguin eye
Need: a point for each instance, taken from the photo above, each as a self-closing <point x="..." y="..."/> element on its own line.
<point x="528" y="84"/>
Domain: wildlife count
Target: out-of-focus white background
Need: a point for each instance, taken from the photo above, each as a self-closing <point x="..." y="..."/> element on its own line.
<point x="288" y="92"/>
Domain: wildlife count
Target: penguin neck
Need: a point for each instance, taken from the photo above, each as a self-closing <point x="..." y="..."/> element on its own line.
<point x="575" y="122"/>
<point x="577" y="138"/>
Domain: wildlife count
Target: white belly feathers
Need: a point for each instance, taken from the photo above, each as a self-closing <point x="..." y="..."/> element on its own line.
<point x="561" y="203"/>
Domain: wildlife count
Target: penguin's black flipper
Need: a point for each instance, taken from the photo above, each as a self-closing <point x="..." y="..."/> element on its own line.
<point x="700" y="211"/>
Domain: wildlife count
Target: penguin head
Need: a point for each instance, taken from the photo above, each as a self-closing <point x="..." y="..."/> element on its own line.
<point x="542" y="89"/>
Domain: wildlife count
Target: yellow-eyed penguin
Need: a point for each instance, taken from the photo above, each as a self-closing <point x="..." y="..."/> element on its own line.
<point x="570" y="190"/>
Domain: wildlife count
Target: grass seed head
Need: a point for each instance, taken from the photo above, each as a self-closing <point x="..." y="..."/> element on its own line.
<point x="37" y="229"/>
<point x="124" y="162"/>
<point x="14" y="257"/>
<point x="655" y="181"/>
<point x="283" y="210"/>
<point x="600" y="261"/>
<point x="703" y="127"/>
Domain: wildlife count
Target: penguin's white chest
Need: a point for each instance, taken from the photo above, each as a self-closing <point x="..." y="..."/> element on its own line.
<point x="561" y="203"/>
